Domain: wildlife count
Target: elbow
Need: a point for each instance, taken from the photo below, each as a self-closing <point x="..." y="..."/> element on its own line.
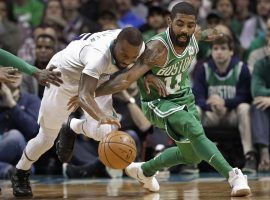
<point x="124" y="83"/>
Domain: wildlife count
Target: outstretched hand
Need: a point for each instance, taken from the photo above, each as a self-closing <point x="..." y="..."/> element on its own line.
<point x="109" y="120"/>
<point x="209" y="34"/>
<point x="152" y="80"/>
<point x="48" y="76"/>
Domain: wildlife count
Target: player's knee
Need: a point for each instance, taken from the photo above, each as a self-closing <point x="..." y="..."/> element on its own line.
<point x="243" y="109"/>
<point x="45" y="139"/>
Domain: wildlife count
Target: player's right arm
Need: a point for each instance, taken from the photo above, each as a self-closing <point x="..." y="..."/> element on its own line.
<point x="154" y="55"/>
<point x="87" y="101"/>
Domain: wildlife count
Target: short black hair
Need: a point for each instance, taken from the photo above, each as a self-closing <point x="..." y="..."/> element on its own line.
<point x="155" y="10"/>
<point x="107" y="14"/>
<point x="132" y="35"/>
<point x="183" y="8"/>
<point x="225" y="39"/>
<point x="46" y="36"/>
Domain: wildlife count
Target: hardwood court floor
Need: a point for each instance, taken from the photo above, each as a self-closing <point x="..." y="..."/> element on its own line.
<point x="206" y="187"/>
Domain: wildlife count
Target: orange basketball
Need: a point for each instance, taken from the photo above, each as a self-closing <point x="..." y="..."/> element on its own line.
<point x="117" y="150"/>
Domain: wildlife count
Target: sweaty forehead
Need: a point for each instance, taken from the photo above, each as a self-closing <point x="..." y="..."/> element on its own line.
<point x="129" y="49"/>
<point x="185" y="18"/>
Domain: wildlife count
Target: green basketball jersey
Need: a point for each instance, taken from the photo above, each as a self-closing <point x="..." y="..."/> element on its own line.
<point x="225" y="86"/>
<point x="174" y="73"/>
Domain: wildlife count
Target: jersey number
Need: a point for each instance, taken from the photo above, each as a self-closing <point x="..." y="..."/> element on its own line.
<point x="176" y="87"/>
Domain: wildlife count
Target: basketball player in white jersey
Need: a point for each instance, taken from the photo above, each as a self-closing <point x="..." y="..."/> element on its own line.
<point x="85" y="63"/>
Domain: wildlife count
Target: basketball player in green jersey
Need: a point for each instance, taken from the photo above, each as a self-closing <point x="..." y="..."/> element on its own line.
<point x="168" y="56"/>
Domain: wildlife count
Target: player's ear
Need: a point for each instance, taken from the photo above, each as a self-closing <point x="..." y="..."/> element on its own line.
<point x="169" y="21"/>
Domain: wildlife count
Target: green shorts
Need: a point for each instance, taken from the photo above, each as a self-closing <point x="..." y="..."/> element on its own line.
<point x="159" y="110"/>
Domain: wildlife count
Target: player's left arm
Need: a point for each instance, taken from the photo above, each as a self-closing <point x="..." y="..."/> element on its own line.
<point x="208" y="35"/>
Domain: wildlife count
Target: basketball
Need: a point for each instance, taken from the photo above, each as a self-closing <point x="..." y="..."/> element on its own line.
<point x="117" y="150"/>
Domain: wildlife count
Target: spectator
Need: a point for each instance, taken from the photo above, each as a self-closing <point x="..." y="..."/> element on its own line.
<point x="260" y="52"/>
<point x="125" y="15"/>
<point x="54" y="17"/>
<point x="27" y="50"/>
<point x="156" y="23"/>
<point x="242" y="14"/>
<point x="255" y="26"/>
<point x="29" y="11"/>
<point x="226" y="7"/>
<point x="45" y="48"/>
<point x="76" y="23"/>
<point x="10" y="39"/>
<point x="222" y="93"/>
<point x="18" y="123"/>
<point x="214" y="20"/>
<point x="259" y="41"/>
<point x="12" y="144"/>
<point x="108" y="20"/>
<point x="18" y="111"/>
<point x="260" y="110"/>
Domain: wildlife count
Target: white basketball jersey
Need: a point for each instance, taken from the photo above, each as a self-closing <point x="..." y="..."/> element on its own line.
<point x="89" y="54"/>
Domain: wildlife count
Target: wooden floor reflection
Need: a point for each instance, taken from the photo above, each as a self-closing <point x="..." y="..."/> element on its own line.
<point x="207" y="188"/>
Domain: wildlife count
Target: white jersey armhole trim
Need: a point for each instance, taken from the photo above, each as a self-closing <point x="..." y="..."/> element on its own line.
<point x="90" y="73"/>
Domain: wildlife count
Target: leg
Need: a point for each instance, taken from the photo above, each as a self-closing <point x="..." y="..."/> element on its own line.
<point x="243" y="116"/>
<point x="88" y="127"/>
<point x="260" y="130"/>
<point x="53" y="112"/>
<point x="183" y="153"/>
<point x="184" y="123"/>
<point x="208" y="118"/>
<point x="11" y="147"/>
<point x="243" y="119"/>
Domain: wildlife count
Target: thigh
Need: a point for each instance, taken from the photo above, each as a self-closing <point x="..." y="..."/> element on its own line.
<point x="11" y="146"/>
<point x="230" y="119"/>
<point x="158" y="110"/>
<point x="183" y="125"/>
<point x="53" y="109"/>
<point x="210" y="119"/>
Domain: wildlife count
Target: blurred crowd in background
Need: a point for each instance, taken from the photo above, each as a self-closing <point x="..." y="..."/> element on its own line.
<point x="230" y="78"/>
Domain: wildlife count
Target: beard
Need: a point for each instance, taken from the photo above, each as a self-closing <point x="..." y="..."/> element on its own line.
<point x="175" y="38"/>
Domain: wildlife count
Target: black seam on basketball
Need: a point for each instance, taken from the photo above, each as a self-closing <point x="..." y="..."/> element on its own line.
<point x="106" y="155"/>
<point x="117" y="154"/>
<point x="122" y="144"/>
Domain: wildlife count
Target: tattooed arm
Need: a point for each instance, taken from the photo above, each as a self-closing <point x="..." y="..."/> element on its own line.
<point x="154" y="55"/>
